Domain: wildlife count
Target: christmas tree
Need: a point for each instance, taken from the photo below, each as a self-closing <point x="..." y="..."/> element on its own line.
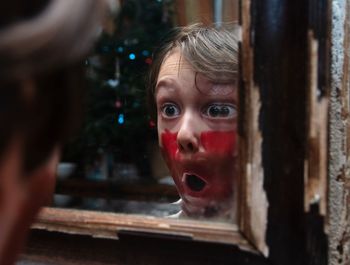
<point x="116" y="119"/>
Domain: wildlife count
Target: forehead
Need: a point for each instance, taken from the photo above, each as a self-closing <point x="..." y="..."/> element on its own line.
<point x="176" y="70"/>
<point x="173" y="63"/>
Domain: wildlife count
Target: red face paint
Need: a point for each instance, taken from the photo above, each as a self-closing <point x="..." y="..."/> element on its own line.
<point x="205" y="178"/>
<point x="169" y="143"/>
<point x="220" y="143"/>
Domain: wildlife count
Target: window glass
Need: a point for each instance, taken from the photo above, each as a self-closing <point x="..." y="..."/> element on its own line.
<point x="119" y="160"/>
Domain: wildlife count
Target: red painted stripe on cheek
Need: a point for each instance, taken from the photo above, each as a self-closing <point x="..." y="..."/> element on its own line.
<point x="221" y="143"/>
<point x="169" y="143"/>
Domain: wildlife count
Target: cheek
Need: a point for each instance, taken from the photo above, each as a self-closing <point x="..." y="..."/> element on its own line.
<point x="216" y="143"/>
<point x="219" y="143"/>
<point x="169" y="143"/>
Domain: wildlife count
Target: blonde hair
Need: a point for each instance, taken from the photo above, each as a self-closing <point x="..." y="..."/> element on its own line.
<point x="210" y="50"/>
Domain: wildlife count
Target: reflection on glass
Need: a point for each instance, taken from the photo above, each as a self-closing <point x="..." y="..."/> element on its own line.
<point x="114" y="163"/>
<point x="194" y="92"/>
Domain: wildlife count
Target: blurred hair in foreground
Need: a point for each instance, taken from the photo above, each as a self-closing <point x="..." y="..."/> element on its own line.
<point x="42" y="47"/>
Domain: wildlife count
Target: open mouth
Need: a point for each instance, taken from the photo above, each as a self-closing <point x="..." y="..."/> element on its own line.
<point x="195" y="183"/>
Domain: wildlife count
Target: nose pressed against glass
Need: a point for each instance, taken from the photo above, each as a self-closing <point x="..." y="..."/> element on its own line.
<point x="197" y="136"/>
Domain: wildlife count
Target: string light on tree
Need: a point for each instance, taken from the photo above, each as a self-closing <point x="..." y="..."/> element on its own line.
<point x="118" y="104"/>
<point x="116" y="90"/>
<point x="148" y="61"/>
<point x="132" y="56"/>
<point x="121" y="119"/>
<point x="145" y="53"/>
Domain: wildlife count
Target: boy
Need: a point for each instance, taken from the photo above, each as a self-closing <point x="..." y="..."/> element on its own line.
<point x="193" y="94"/>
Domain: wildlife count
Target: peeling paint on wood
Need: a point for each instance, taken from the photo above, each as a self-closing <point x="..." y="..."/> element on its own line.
<point x="317" y="116"/>
<point x="109" y="225"/>
<point x="253" y="203"/>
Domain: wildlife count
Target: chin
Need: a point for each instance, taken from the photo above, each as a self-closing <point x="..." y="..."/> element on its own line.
<point x="196" y="207"/>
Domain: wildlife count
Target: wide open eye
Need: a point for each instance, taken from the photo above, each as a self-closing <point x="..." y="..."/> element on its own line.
<point x="220" y="111"/>
<point x="170" y="110"/>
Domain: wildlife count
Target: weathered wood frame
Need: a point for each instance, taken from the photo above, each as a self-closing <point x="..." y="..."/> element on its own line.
<point x="251" y="223"/>
<point x="282" y="144"/>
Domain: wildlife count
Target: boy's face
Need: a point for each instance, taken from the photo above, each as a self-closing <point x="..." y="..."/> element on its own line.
<point x="197" y="122"/>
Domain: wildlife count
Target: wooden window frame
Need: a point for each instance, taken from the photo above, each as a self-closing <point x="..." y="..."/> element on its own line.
<point x="259" y="209"/>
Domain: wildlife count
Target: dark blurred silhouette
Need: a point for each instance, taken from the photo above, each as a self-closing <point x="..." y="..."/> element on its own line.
<point x="42" y="49"/>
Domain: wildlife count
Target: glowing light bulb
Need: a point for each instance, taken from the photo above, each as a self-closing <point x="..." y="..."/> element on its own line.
<point x="132" y="56"/>
<point x="118" y="104"/>
<point x="145" y="53"/>
<point x="121" y="118"/>
<point x="148" y="61"/>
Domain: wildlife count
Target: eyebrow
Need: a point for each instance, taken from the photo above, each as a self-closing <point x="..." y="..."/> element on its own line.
<point x="166" y="83"/>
